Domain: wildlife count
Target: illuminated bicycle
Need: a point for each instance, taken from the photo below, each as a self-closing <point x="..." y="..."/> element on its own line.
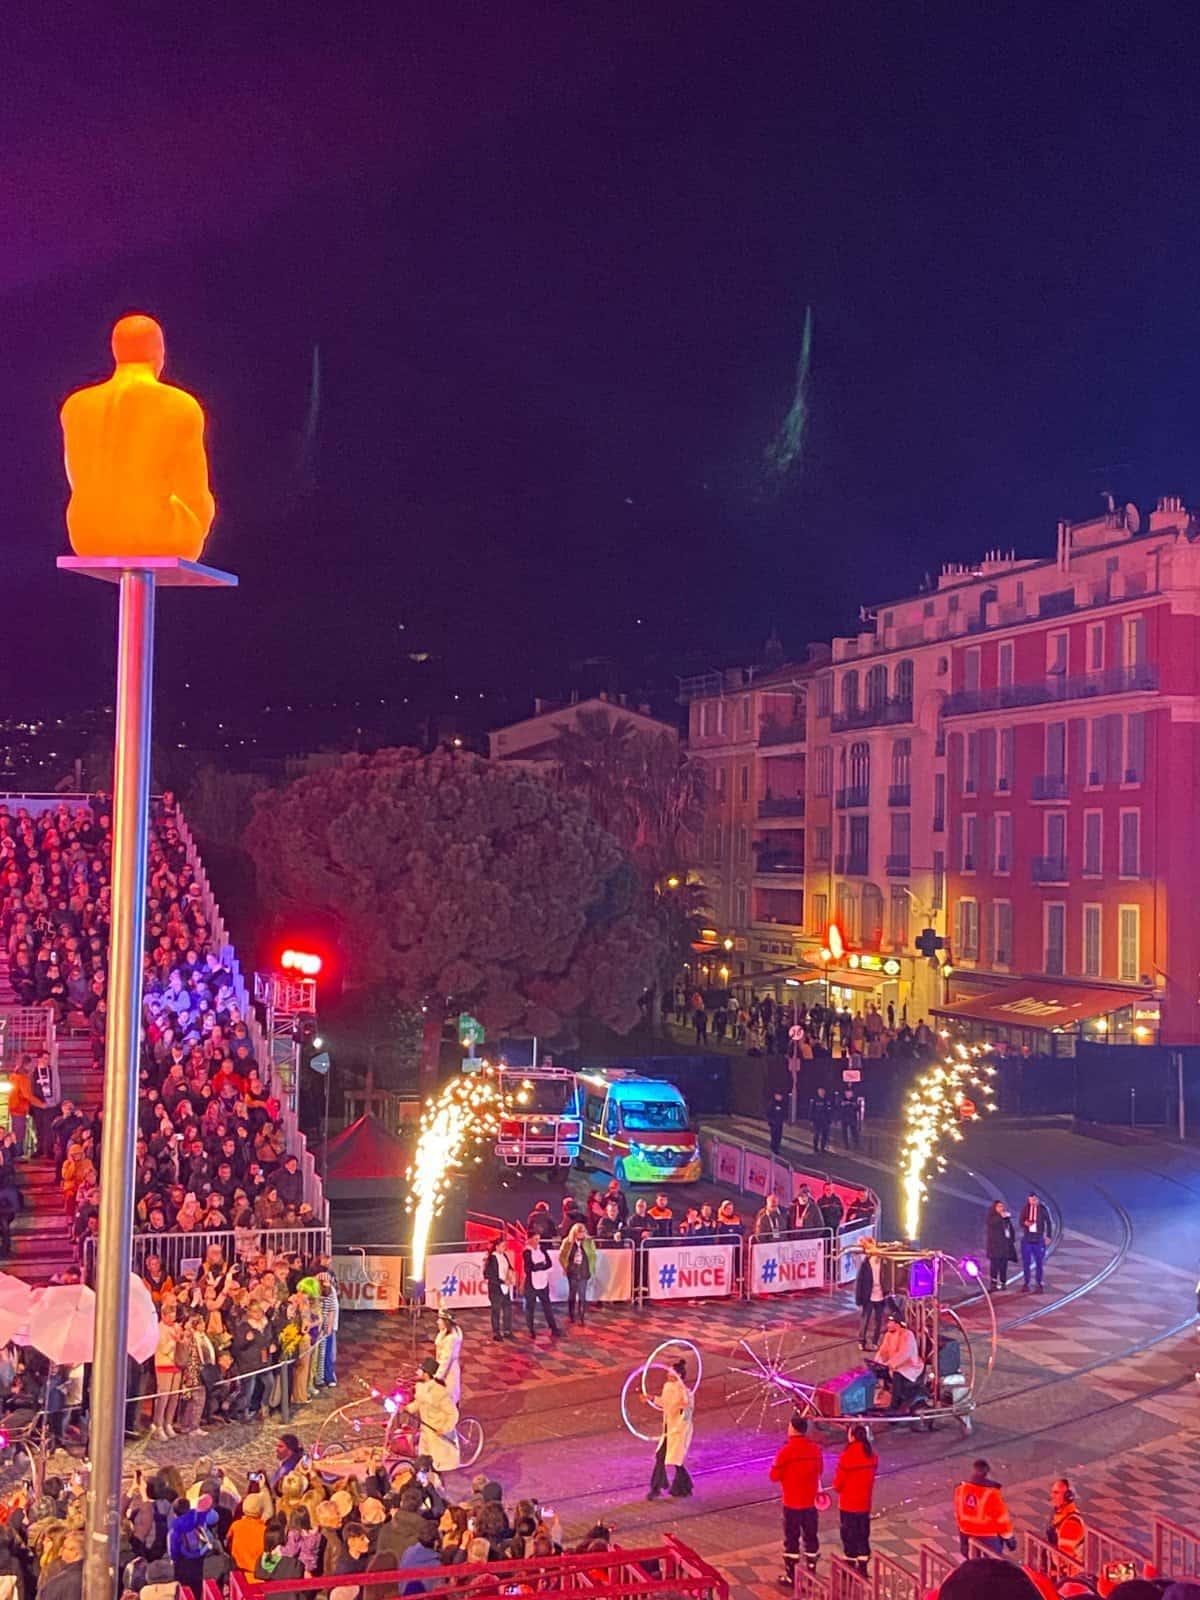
<point x="773" y="1373"/>
<point x="373" y="1430"/>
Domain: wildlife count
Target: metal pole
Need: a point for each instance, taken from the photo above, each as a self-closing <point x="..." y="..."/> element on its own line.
<point x="1179" y="1095"/>
<point x="325" y="1130"/>
<point x="131" y="807"/>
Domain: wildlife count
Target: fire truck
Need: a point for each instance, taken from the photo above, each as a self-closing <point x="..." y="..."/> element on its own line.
<point x="541" y="1124"/>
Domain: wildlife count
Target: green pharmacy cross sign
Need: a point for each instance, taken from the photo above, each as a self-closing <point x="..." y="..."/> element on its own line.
<point x="470" y="1029"/>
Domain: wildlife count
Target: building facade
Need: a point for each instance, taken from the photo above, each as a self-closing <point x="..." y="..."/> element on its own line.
<point x="1073" y="742"/>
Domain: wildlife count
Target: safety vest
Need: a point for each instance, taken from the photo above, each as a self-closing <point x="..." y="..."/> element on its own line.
<point x="980" y="1512"/>
<point x="1067" y="1531"/>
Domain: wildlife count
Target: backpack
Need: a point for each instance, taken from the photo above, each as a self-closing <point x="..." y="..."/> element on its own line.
<point x="196" y="1543"/>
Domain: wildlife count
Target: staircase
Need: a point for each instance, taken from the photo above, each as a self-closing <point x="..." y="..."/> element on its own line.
<point x="41" y="1232"/>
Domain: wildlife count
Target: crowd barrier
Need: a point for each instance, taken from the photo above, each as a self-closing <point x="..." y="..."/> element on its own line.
<point x="180" y="1252"/>
<point x="1176" y="1550"/>
<point x="26" y="1030"/>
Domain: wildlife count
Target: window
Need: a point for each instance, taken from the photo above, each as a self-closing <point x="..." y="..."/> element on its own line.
<point x="987" y="758"/>
<point x="718" y="851"/>
<point x="939" y="879"/>
<point x="901" y="763"/>
<point x="1131" y="844"/>
<point x="898" y="916"/>
<point x="1004" y="767"/>
<point x="1004" y="664"/>
<point x="966" y="932"/>
<point x="843" y="834"/>
<point x="822" y="770"/>
<point x="1135" y="747"/>
<point x="860" y="765"/>
<point x="971" y="668"/>
<point x="722" y="716"/>
<point x="876" y="688"/>
<point x="1054" y="938"/>
<point x="1055" y="836"/>
<point x="847" y="912"/>
<point x="860" y="841"/>
<point x="744" y="781"/>
<point x="825" y="694"/>
<point x="821" y="844"/>
<point x="743" y="842"/>
<point x="707" y="722"/>
<point x="1004" y="837"/>
<point x="745" y="712"/>
<point x="1095" y="647"/>
<point x="849" y="693"/>
<point x="872" y="916"/>
<point x="820" y="905"/>
<point x="901" y="835"/>
<point x="1056" y="654"/>
<point x="1130" y="956"/>
<point x="1002" y="932"/>
<point x="722" y="777"/>
<point x="971" y="765"/>
<point x="1133" y="642"/>
<point x="939" y="802"/>
<point x="904" y="680"/>
<point x="970" y="842"/>
<point x="1091" y="941"/>
<point x="740" y="916"/>
<point x="1093" y="843"/>
<point x="1056" y="750"/>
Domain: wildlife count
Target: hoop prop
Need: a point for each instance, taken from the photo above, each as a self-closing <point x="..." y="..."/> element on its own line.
<point x="639" y="1375"/>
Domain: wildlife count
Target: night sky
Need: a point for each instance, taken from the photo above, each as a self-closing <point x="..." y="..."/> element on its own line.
<point x="556" y="260"/>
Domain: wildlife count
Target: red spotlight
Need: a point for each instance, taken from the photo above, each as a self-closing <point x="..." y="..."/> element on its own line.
<point x="304" y="962"/>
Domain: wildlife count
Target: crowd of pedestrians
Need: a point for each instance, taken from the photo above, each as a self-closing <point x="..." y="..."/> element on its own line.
<point x="765" y="1026"/>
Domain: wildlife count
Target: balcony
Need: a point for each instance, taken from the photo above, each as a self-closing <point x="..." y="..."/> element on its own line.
<point x="898" y="866"/>
<point x="853" y="798"/>
<point x="850" y="866"/>
<point x="771" y="731"/>
<point x="1050" y="786"/>
<point x="779" y="861"/>
<point x="1052" y="690"/>
<point x="791" y="805"/>
<point x="1049" y="869"/>
<point x="885" y="714"/>
<point x="900" y="794"/>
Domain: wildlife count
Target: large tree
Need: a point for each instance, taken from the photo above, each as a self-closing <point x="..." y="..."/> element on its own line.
<point x="462" y="881"/>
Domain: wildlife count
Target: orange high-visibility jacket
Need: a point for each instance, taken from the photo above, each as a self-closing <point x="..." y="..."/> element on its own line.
<point x="980" y="1511"/>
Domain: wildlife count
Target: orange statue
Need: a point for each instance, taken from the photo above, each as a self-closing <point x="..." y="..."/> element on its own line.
<point x="135" y="459"/>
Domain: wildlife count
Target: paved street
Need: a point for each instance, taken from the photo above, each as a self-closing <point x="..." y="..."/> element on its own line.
<point x="1094" y="1380"/>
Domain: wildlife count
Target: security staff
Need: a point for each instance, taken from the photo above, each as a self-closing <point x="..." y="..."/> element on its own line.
<point x="980" y="1512"/>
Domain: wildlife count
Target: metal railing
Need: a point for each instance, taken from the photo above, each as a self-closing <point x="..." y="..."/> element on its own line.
<point x="791" y="805"/>
<point x="898" y="866"/>
<point x="779" y="861"/>
<point x="1040" y="1556"/>
<point x="853" y="796"/>
<point x="899" y="794"/>
<point x="884" y="713"/>
<point x="893" y="1581"/>
<point x="1051" y="689"/>
<point x="1099" y="1548"/>
<point x="773" y="732"/>
<point x="851" y="866"/>
<point x="847" y="1582"/>
<point x="1048" y="869"/>
<point x="177" y="1251"/>
<point x="1050" y="786"/>
<point x="936" y="1566"/>
<point x="1176" y="1549"/>
<point x="26" y="1029"/>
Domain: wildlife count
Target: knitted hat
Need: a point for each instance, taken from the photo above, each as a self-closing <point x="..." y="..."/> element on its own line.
<point x="252" y="1505"/>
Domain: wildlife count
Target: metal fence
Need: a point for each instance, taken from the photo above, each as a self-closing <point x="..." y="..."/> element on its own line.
<point x="936" y="1566"/>
<point x="180" y="1252"/>
<point x="1176" y="1550"/>
<point x="1042" y="1557"/>
<point x="1099" y="1548"/>
<point x="24" y="1029"/>
<point x="892" y="1581"/>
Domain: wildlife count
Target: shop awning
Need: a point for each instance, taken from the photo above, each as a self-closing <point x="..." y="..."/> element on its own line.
<point x="1039" y="1005"/>
<point x="867" y="982"/>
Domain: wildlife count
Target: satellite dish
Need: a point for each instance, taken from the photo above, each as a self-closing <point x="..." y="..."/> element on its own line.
<point x="1133" y="518"/>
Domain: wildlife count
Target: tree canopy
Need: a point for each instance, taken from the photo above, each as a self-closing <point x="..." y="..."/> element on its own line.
<point x="464" y="881"/>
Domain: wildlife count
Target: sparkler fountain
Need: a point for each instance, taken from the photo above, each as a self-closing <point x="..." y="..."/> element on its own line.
<point x="464" y="1115"/>
<point x="936" y="1108"/>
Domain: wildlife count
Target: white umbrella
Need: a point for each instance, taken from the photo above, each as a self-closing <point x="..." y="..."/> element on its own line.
<point x="62" y="1323"/>
<point x="143" y="1321"/>
<point x="16" y="1301"/>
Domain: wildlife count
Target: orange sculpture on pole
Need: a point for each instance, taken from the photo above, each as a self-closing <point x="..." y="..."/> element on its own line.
<point x="135" y="457"/>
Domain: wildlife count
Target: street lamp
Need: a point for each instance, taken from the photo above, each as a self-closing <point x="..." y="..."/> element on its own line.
<point x="139" y="513"/>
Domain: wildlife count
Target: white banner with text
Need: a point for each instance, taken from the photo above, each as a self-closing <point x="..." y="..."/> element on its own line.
<point x="781" y="1266"/>
<point x="690" y="1272"/>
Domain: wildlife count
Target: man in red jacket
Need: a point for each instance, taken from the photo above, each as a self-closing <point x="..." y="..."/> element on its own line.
<point x="797" y="1469"/>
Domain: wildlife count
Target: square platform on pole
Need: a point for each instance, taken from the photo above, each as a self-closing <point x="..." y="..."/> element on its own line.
<point x="168" y="572"/>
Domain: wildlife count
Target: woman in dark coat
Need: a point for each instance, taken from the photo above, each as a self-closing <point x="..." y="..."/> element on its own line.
<point x="1001" y="1244"/>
